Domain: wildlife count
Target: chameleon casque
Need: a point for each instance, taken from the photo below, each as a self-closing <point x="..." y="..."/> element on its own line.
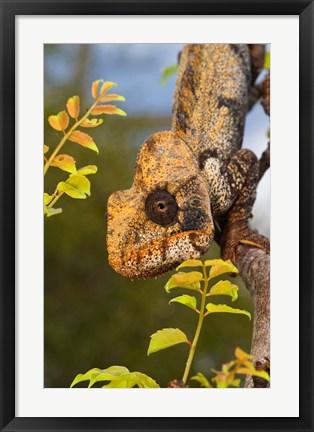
<point x="188" y="177"/>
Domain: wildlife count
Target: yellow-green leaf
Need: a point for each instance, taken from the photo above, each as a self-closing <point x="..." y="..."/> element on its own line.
<point x="85" y="377"/>
<point x="190" y="263"/>
<point x="107" y="85"/>
<point x="84" y="140"/>
<point x="167" y="72"/>
<point x="47" y="198"/>
<point x="267" y="60"/>
<point x="108" y="109"/>
<point x="52" y="211"/>
<point x="219" y="267"/>
<point x="200" y="378"/>
<point x="213" y="308"/>
<point x="108" y="374"/>
<point x="190" y="280"/>
<point x="89" y="169"/>
<point x="46" y="148"/>
<point x="186" y="300"/>
<point x="91" y="123"/>
<point x="95" y="86"/>
<point x="60" y="121"/>
<point x="166" y="338"/>
<point x="73" y="106"/>
<point x="225" y="288"/>
<point x="242" y="355"/>
<point x="118" y="377"/>
<point x="235" y="382"/>
<point x="76" y="186"/>
<point x="145" y="381"/>
<point x="64" y="162"/>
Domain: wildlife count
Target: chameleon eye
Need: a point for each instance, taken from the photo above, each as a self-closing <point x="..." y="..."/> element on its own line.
<point x="161" y="207"/>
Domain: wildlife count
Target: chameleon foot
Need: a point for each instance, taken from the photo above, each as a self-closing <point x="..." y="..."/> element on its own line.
<point x="240" y="233"/>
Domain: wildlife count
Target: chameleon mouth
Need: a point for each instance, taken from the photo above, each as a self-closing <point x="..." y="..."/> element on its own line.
<point x="162" y="255"/>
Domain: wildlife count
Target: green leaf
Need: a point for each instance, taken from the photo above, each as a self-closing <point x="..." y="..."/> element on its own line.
<point x="213" y="308"/>
<point x="190" y="280"/>
<point x="76" y="186"/>
<point x="166" y="338"/>
<point x="52" y="211"/>
<point x="118" y="377"/>
<point x="220" y="267"/>
<point x="88" y="169"/>
<point x="267" y="60"/>
<point x="202" y="380"/>
<point x="167" y="72"/>
<point x="145" y="381"/>
<point x="108" y="374"/>
<point x="84" y="377"/>
<point x="224" y="288"/>
<point x="190" y="263"/>
<point x="187" y="300"/>
<point x="132" y="379"/>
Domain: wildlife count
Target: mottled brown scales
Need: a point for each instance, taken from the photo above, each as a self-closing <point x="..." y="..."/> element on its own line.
<point x="185" y="178"/>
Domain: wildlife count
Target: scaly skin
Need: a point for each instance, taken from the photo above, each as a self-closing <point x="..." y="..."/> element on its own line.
<point x="187" y="177"/>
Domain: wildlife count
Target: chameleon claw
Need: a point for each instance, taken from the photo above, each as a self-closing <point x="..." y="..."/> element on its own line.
<point x="240" y="233"/>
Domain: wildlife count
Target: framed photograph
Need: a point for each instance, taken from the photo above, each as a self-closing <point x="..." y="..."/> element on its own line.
<point x="175" y="141"/>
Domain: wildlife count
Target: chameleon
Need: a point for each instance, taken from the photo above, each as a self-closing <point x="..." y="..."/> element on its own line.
<point x="187" y="178"/>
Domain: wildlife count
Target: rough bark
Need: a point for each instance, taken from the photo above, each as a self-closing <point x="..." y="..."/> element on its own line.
<point x="254" y="267"/>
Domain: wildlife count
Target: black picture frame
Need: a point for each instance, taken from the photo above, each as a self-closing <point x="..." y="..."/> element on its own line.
<point x="9" y="10"/>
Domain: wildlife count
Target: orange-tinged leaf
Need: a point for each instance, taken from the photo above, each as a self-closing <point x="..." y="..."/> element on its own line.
<point x="108" y="109"/>
<point x="64" y="162"/>
<point x="111" y="97"/>
<point x="84" y="140"/>
<point x="242" y="355"/>
<point x="73" y="106"/>
<point x="46" y="148"/>
<point x="95" y="86"/>
<point x="107" y="85"/>
<point x="60" y="121"/>
<point x="91" y="123"/>
<point x="261" y="374"/>
<point x="63" y="120"/>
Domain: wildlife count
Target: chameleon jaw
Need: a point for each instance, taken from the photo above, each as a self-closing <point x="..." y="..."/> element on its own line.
<point x="162" y="255"/>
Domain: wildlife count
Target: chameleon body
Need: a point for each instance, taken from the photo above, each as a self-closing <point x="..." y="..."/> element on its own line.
<point x="187" y="177"/>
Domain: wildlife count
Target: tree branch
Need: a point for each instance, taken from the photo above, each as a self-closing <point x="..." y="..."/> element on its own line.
<point x="264" y="162"/>
<point x="254" y="268"/>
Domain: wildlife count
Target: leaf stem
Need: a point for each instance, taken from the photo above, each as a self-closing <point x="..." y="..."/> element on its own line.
<point x="198" y="328"/>
<point x="55" y="199"/>
<point x="67" y="135"/>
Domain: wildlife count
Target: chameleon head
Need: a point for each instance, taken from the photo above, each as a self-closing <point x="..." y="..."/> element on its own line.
<point x="165" y="217"/>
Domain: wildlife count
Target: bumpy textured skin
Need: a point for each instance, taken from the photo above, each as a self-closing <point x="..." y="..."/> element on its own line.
<point x="187" y="177"/>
